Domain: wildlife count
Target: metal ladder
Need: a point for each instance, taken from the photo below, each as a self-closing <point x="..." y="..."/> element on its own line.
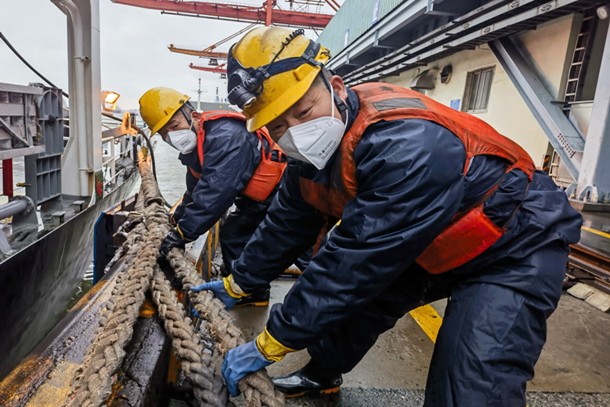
<point x="580" y="58"/>
<point x="576" y="74"/>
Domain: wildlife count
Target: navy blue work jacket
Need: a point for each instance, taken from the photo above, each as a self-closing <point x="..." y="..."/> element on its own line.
<point x="410" y="185"/>
<point x="231" y="155"/>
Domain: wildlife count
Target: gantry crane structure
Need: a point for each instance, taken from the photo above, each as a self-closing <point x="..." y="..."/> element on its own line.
<point x="268" y="13"/>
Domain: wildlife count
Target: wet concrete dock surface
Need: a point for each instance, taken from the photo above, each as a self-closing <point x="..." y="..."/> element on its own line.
<point x="573" y="370"/>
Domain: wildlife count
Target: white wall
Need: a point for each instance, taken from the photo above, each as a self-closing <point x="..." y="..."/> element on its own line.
<point x="506" y="111"/>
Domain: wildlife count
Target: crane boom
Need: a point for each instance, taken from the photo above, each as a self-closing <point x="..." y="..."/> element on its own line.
<point x="202" y="53"/>
<point x="209" y="51"/>
<point x="215" y="69"/>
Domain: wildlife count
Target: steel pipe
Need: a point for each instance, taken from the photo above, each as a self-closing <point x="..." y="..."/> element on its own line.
<point x="13" y="208"/>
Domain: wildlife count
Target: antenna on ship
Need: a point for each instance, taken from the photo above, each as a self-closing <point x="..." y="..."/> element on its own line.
<point x="199" y="92"/>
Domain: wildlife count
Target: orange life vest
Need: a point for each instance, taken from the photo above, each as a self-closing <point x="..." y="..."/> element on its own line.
<point x="269" y="171"/>
<point x="471" y="232"/>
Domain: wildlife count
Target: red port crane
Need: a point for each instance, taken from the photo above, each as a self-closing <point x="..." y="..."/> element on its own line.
<point x="206" y="52"/>
<point x="215" y="69"/>
<point x="265" y="14"/>
<point x="209" y="51"/>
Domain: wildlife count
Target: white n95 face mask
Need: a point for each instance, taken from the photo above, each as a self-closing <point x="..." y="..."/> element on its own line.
<point x="315" y="141"/>
<point x="184" y="140"/>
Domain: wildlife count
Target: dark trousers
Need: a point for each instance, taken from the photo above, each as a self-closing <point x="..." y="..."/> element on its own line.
<point x="491" y="337"/>
<point x="236" y="231"/>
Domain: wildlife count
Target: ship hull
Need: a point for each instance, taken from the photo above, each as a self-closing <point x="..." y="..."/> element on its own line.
<point x="36" y="283"/>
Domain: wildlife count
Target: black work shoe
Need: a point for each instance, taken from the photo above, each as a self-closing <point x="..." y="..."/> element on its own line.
<point x="257" y="299"/>
<point x="300" y="383"/>
<point x="291" y="272"/>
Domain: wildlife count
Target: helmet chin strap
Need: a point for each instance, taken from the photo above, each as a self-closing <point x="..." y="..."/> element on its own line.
<point x="341" y="105"/>
<point x="186" y="112"/>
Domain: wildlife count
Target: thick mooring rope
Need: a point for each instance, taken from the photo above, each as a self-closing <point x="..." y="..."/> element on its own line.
<point x="197" y="363"/>
<point x="257" y="388"/>
<point x="201" y="368"/>
<point x="93" y="382"/>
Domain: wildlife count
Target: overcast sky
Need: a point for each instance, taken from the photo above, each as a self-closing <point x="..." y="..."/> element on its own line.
<point x="134" y="54"/>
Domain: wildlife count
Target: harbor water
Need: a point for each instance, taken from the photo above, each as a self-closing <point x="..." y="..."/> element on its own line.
<point x="171" y="174"/>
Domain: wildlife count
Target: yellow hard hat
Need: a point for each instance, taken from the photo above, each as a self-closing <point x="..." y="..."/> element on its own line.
<point x="158" y="105"/>
<point x="270" y="69"/>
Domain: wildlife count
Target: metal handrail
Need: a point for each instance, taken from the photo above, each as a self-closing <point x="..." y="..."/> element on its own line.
<point x="113" y="137"/>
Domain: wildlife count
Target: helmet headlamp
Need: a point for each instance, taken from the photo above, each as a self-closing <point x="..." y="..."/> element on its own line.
<point x="246" y="84"/>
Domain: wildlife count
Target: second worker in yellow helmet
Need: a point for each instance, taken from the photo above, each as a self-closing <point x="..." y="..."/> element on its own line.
<point x="226" y="165"/>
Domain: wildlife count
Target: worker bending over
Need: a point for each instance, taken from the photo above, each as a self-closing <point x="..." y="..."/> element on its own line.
<point x="434" y="203"/>
<point x="226" y="164"/>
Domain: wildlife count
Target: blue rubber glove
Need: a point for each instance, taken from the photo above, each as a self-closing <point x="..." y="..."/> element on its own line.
<point x="218" y="288"/>
<point x="240" y="362"/>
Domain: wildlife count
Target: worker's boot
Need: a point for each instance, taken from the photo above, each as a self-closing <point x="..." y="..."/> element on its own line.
<point x="291" y="272"/>
<point x="311" y="379"/>
<point x="257" y="299"/>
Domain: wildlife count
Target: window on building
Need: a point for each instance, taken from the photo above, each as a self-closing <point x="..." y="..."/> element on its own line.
<point x="478" y="86"/>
